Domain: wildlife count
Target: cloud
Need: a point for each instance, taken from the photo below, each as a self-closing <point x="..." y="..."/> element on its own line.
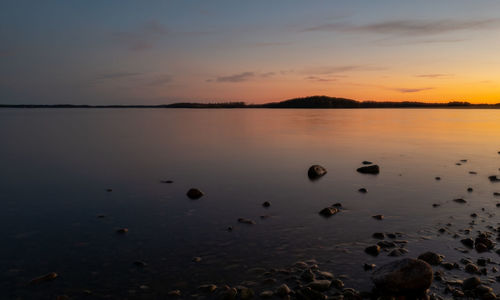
<point x="118" y="75"/>
<point x="340" y="69"/>
<point x="271" y="44"/>
<point x="320" y="79"/>
<point x="434" y="75"/>
<point x="236" y="77"/>
<point x="412" y="90"/>
<point x="267" y="75"/>
<point x="410" y="27"/>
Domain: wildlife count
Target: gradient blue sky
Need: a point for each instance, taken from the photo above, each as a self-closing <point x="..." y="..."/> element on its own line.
<point x="151" y="52"/>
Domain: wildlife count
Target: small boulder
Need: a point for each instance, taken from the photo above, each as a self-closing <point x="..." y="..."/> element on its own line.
<point x="378" y="217"/>
<point x="403" y="277"/>
<point x="328" y="211"/>
<point x="315" y="172"/>
<point x="460" y="200"/>
<point x="44" y="278"/>
<point x="266" y="204"/>
<point x="283" y="290"/>
<point x="320" y="285"/>
<point x="373" y="250"/>
<point x="362" y="190"/>
<point x="365" y="162"/>
<point x="194" y="194"/>
<point x="493" y="178"/>
<point x="373" y="169"/>
<point x="431" y="258"/>
<point x="246" y="221"/>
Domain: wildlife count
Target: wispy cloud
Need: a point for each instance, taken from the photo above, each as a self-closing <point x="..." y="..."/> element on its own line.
<point x="340" y="69"/>
<point x="118" y="75"/>
<point x="142" y="39"/>
<point x="160" y="80"/>
<point x="271" y="44"/>
<point x="320" y="79"/>
<point x="410" y="27"/>
<point x="236" y="77"/>
<point x="412" y="90"/>
<point x="435" y="75"/>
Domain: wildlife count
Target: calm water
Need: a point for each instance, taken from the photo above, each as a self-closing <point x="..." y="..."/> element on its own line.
<point x="55" y="167"/>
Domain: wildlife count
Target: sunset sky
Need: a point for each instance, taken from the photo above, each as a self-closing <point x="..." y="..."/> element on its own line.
<point x="153" y="52"/>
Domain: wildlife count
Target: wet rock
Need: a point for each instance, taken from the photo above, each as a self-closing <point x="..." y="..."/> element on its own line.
<point x="338" y="284"/>
<point x="460" y="200"/>
<point x="470" y="190"/>
<point x="496" y="194"/>
<point x="368" y="267"/>
<point x="196" y="259"/>
<point x="373" y="250"/>
<point x="166" y="181"/>
<point x="468" y="242"/>
<point x="109" y="190"/>
<point x="174" y="293"/>
<point x="245" y="293"/>
<point x="194" y="193"/>
<point x="365" y="162"/>
<point x="140" y="264"/>
<point x="378" y="217"/>
<point x="483" y="239"/>
<point x="266" y="294"/>
<point x="207" y="288"/>
<point x="472" y="172"/>
<point x="493" y="178"/>
<point x="437" y="178"/>
<point x="328" y="211"/>
<point x="320" y="285"/>
<point x="436" y="205"/>
<point x="448" y="265"/>
<point x="246" y="221"/>
<point x="337" y="205"/>
<point x="473" y="215"/>
<point x="266" y="204"/>
<point x="480" y="247"/>
<point x="398" y="252"/>
<point x="403" y="277"/>
<point x="431" y="258"/>
<point x="283" y="290"/>
<point x="307" y="275"/>
<point x="307" y="293"/>
<point x="362" y="190"/>
<point x="228" y="293"/>
<point x="378" y="235"/>
<point x="471" y="268"/>
<point x="471" y="283"/>
<point x="326" y="275"/>
<point x="44" y="278"/>
<point x="315" y="172"/>
<point x="122" y="230"/>
<point x="229" y="228"/>
<point x="373" y="169"/>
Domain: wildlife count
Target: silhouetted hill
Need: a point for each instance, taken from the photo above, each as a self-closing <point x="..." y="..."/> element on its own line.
<point x="315" y="102"/>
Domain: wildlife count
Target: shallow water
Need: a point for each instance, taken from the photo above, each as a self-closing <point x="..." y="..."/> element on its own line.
<point x="56" y="164"/>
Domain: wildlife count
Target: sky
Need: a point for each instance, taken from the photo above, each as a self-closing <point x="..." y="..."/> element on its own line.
<point x="155" y="52"/>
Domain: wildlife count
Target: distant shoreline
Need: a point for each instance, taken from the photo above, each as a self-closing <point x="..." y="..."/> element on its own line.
<point x="314" y="102"/>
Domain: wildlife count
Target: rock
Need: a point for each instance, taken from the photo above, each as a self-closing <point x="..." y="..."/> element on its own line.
<point x="460" y="200"/>
<point x="436" y="205"/>
<point x="437" y="178"/>
<point x="44" y="278"/>
<point x="373" y="250"/>
<point x="483" y="239"/>
<point x="337" y="205"/>
<point x="471" y="268"/>
<point x="493" y="178"/>
<point x="373" y="169"/>
<point x="398" y="252"/>
<point x="368" y="267"/>
<point x="315" y="172"/>
<point x="266" y="204"/>
<point x="307" y="293"/>
<point x="174" y="293"/>
<point x="403" y="277"/>
<point x="448" y="265"/>
<point x="472" y="172"/>
<point x="320" y="285"/>
<point x="471" y="283"/>
<point x="470" y="190"/>
<point x="283" y="290"/>
<point x="246" y="293"/>
<point x="480" y="247"/>
<point x="194" y="194"/>
<point x="326" y="275"/>
<point x="468" y="242"/>
<point x="229" y="293"/>
<point x="378" y="235"/>
<point x="109" y="190"/>
<point x="338" y="284"/>
<point x="207" y="288"/>
<point x="378" y="217"/>
<point x="266" y="294"/>
<point x="496" y="194"/>
<point x="307" y="275"/>
<point x="431" y="258"/>
<point x="386" y="244"/>
<point x="365" y="162"/>
<point x="122" y="230"/>
<point x="362" y="190"/>
<point x="167" y="181"/>
<point x="246" y="221"/>
<point x="140" y="264"/>
<point x="328" y="211"/>
<point x="196" y="259"/>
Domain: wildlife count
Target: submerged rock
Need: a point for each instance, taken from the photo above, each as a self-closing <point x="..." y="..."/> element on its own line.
<point x="403" y="277"/>
<point x="194" y="194"/>
<point x="316" y="171"/>
<point x="460" y="200"/>
<point x="44" y="278"/>
<point x="246" y="221"/>
<point x="373" y="169"/>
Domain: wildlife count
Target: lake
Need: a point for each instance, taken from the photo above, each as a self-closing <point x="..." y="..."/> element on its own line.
<point x="57" y="215"/>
